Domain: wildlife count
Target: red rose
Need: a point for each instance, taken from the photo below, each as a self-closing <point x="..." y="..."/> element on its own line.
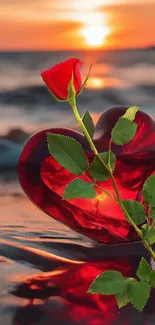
<point x="57" y="78"/>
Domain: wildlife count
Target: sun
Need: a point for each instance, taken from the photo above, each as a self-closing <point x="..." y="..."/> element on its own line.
<point x="95" y="35"/>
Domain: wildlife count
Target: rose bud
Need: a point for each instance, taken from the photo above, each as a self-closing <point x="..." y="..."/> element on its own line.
<point x="59" y="77"/>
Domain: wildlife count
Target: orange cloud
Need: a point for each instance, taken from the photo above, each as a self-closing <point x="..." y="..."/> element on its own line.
<point x="39" y="36"/>
<point x="57" y="24"/>
<point x="132" y="25"/>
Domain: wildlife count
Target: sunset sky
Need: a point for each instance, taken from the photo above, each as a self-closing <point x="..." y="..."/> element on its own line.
<point x="76" y="24"/>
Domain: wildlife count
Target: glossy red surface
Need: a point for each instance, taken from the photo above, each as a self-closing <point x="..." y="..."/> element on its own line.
<point x="63" y="297"/>
<point x="73" y="283"/>
<point x="43" y="179"/>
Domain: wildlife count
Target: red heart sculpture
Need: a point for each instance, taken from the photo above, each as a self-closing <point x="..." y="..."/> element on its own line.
<point x="101" y="219"/>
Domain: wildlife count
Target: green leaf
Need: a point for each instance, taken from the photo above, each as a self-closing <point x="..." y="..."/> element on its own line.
<point x="149" y="191"/>
<point x="55" y="97"/>
<point x="152" y="213"/>
<point x="108" y="283"/>
<point x="79" y="189"/>
<point x="71" y="89"/>
<point x="85" y="81"/>
<point x="143" y="270"/>
<point x="88" y="122"/>
<point x="122" y="298"/>
<point x="135" y="210"/>
<point x="150" y="234"/>
<point x="152" y="278"/>
<point x="123" y="131"/>
<point x="68" y="153"/>
<point x="144" y="229"/>
<point x="130" y="113"/>
<point x="97" y="171"/>
<point x="138" y="293"/>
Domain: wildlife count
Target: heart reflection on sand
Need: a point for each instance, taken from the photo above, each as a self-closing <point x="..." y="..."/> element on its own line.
<point x="60" y="296"/>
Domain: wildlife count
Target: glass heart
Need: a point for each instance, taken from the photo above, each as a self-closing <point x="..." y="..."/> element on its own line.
<point x="101" y="219"/>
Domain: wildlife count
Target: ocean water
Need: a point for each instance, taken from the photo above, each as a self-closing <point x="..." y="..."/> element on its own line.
<point x="46" y="268"/>
<point x="117" y="78"/>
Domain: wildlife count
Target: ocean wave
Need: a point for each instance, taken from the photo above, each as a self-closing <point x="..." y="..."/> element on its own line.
<point x="10" y="148"/>
<point x="32" y="96"/>
<point x="25" y="95"/>
<point x="9" y="152"/>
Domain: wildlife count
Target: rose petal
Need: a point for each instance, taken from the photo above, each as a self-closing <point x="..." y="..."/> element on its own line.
<point x="58" y="77"/>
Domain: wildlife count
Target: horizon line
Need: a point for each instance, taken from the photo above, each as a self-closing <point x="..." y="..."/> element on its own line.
<point x="80" y="49"/>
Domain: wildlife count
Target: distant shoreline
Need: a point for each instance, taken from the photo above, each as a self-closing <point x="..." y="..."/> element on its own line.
<point x="147" y="48"/>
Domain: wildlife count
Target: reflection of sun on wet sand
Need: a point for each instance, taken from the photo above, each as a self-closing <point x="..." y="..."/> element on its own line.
<point x="20" y="217"/>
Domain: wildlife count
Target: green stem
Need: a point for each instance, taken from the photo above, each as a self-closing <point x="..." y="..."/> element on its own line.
<point x="139" y="232"/>
<point x="78" y="118"/>
<point x="99" y="187"/>
<point x="104" y="191"/>
<point x="72" y="102"/>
